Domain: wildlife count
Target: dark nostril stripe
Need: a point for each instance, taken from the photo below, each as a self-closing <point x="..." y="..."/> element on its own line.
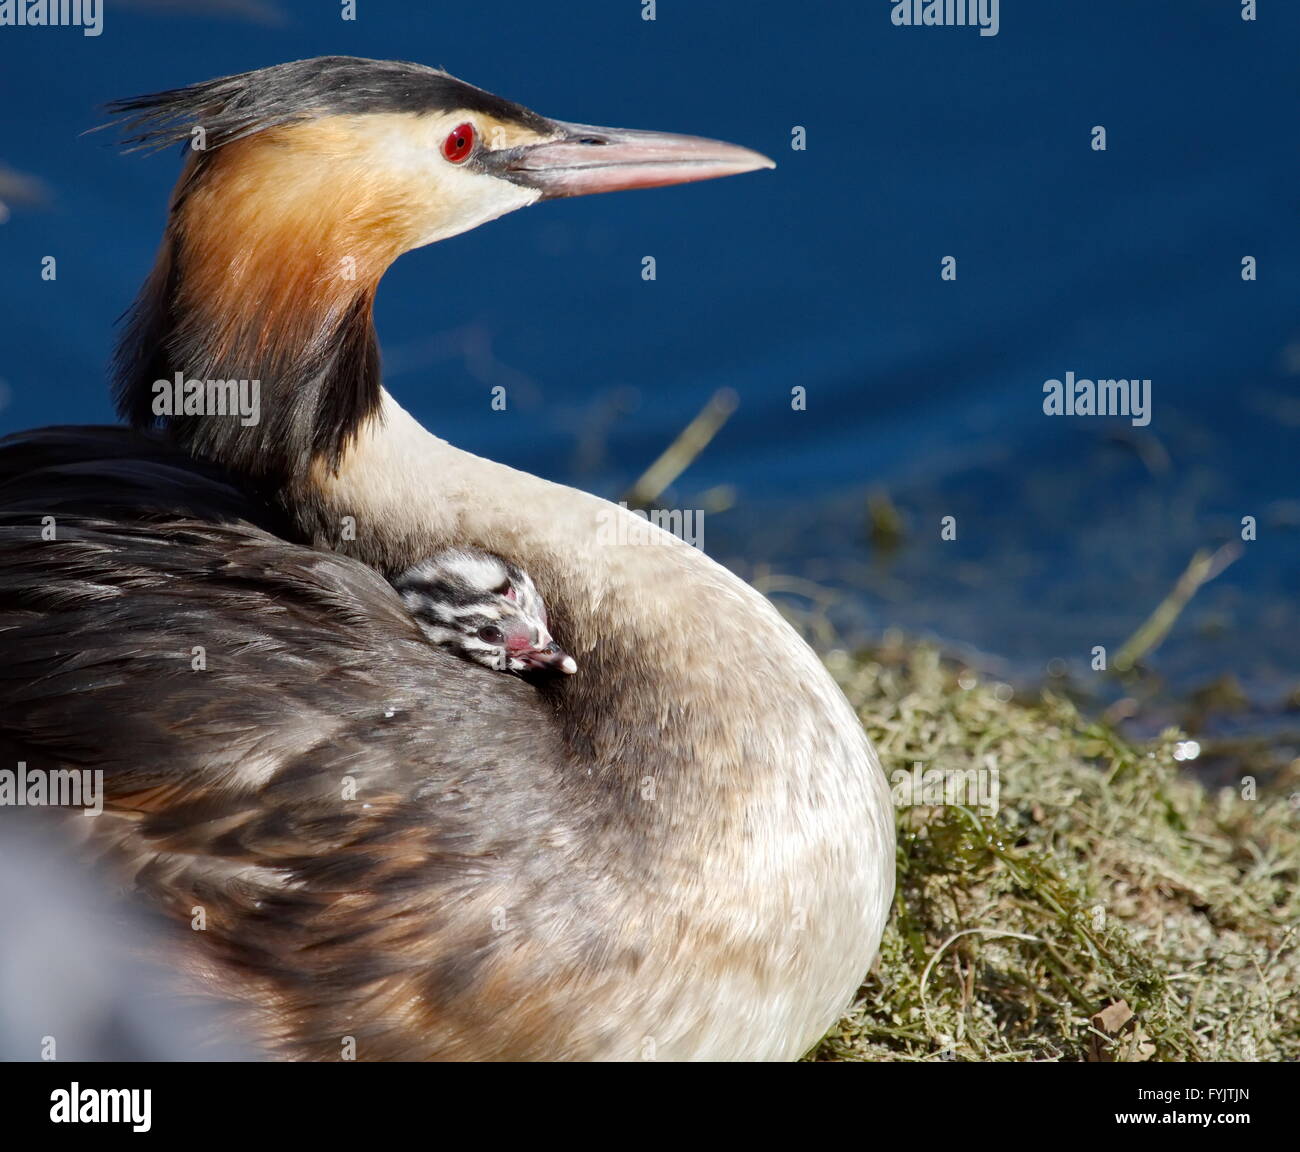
<point x="592" y="140"/>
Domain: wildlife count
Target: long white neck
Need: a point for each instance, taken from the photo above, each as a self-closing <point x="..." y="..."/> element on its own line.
<point x="696" y="705"/>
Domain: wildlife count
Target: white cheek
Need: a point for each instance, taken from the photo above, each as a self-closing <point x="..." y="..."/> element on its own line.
<point x="453" y="198"/>
<point x="473" y="198"/>
<point x="462" y="199"/>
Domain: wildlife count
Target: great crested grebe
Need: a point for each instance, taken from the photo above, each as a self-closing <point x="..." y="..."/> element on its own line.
<point x="684" y="851"/>
<point x="484" y="609"/>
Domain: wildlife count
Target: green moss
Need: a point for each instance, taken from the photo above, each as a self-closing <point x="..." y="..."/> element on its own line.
<point x="1108" y="873"/>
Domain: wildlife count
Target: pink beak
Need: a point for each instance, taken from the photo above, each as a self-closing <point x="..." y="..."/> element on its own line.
<point x="585" y="160"/>
<point x="551" y="658"/>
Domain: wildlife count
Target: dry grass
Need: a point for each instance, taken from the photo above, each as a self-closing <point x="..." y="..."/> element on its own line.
<point x="1108" y="874"/>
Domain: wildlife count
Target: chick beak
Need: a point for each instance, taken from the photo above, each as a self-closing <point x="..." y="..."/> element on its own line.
<point x="551" y="658"/>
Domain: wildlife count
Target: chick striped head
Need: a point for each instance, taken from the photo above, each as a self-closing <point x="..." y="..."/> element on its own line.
<point x="484" y="609"/>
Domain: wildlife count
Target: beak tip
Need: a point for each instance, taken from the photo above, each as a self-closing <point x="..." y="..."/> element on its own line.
<point x="568" y="665"/>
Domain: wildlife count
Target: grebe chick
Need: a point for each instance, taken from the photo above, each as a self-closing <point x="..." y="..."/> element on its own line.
<point x="484" y="609"/>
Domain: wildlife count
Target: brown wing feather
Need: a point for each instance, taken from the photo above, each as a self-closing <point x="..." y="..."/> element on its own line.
<point x="369" y="824"/>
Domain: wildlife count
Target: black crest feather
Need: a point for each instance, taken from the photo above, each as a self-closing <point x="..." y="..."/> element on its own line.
<point x="232" y="107"/>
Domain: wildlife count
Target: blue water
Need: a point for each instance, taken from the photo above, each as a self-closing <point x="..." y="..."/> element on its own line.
<point x="922" y="143"/>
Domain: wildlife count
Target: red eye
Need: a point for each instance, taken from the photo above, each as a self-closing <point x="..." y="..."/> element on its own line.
<point x="459" y="144"/>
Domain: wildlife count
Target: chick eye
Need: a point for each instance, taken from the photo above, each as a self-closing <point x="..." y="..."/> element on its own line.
<point x="459" y="144"/>
<point x="491" y="635"/>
